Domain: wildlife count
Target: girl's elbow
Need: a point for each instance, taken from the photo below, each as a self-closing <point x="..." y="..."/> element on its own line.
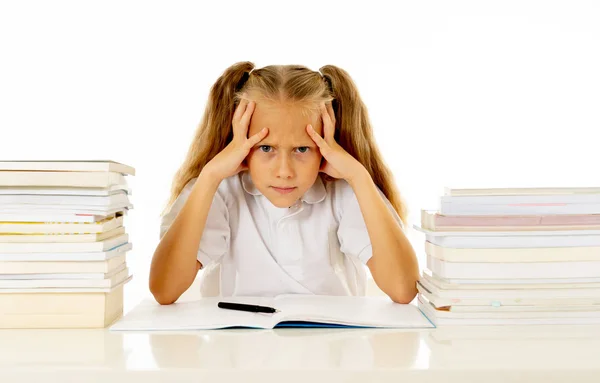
<point x="403" y="294"/>
<point x="164" y="299"/>
<point x="160" y="294"/>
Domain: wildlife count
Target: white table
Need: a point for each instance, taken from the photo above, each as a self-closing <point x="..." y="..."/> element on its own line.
<point x="445" y="354"/>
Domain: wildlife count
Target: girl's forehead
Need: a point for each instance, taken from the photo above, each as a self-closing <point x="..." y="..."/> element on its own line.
<point x="284" y="138"/>
<point x="284" y="119"/>
<point x="283" y="112"/>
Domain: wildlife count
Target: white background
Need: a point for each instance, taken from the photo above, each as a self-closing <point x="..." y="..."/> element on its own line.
<point x="461" y="93"/>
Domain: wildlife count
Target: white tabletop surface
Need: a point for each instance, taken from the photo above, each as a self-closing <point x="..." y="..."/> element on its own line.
<point x="445" y="354"/>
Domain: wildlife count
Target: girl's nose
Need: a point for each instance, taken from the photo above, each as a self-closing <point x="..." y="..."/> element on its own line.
<point x="285" y="168"/>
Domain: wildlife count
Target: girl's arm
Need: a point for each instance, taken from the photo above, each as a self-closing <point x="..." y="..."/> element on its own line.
<point x="174" y="264"/>
<point x="393" y="264"/>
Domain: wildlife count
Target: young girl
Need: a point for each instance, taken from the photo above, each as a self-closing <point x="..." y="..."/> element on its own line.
<point x="283" y="191"/>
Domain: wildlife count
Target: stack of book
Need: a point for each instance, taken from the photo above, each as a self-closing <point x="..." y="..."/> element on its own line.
<point x="512" y="256"/>
<point x="62" y="243"/>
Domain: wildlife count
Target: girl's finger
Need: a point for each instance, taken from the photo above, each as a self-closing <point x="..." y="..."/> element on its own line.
<point x="328" y="128"/>
<point x="244" y="121"/>
<point x="329" y="106"/>
<point x="321" y="143"/>
<point x="239" y="111"/>
<point x="256" y="138"/>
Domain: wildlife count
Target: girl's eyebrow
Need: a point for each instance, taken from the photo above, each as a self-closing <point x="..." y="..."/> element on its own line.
<point x="263" y="143"/>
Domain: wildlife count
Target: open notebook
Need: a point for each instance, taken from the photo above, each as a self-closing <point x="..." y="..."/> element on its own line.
<point x="294" y="311"/>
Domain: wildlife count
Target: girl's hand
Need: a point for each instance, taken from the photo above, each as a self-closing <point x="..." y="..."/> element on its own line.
<point x="230" y="160"/>
<point x="338" y="163"/>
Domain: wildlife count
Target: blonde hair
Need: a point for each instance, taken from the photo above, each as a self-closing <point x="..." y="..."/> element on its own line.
<point x="297" y="84"/>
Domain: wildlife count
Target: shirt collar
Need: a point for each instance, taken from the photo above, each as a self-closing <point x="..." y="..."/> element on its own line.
<point x="315" y="194"/>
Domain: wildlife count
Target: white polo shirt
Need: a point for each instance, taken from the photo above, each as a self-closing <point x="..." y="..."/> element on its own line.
<point x="251" y="247"/>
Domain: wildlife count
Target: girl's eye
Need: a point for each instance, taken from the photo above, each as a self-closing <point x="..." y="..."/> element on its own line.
<point x="303" y="149"/>
<point x="262" y="148"/>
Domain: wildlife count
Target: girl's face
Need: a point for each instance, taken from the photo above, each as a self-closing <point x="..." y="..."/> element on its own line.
<point x="285" y="164"/>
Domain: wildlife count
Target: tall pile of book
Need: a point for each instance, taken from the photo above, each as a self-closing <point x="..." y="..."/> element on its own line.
<point x="62" y="243"/>
<point x="512" y="256"/>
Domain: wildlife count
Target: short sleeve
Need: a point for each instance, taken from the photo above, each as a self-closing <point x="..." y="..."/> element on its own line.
<point x="214" y="242"/>
<point x="352" y="231"/>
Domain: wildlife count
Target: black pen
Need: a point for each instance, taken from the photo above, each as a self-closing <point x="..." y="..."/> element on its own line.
<point x="244" y="307"/>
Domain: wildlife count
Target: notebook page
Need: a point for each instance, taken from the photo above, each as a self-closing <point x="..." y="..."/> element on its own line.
<point x="349" y="310"/>
<point x="195" y="315"/>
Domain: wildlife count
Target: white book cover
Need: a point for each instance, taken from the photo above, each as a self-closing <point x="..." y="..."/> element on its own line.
<point x="64" y="247"/>
<point x="449" y="191"/>
<point x="522" y="209"/>
<point x="521" y="255"/>
<point x="512" y="241"/>
<point x="570" y="311"/>
<point x="93" y="275"/>
<point x="115" y="251"/>
<point x="510" y="233"/>
<point x="293" y="310"/>
<point x="65" y="289"/>
<point x="65" y="283"/>
<point x="525" y="309"/>
<point x="121" y="247"/>
<point x="61" y="267"/>
<point x="478" y="282"/>
<point x="59" y="214"/>
<point x="72" y="179"/>
<point x="522" y="300"/>
<point x="592" y="198"/>
<point x="60" y="238"/>
<point x="18" y="200"/>
<point x="61" y="228"/>
<point x="493" y="295"/>
<point x="583" y="269"/>
<point x="509" y="284"/>
<point x="57" y="190"/>
<point x="505" y="321"/>
<point x="68" y="165"/>
<point x="65" y="209"/>
<point x="443" y="317"/>
<point x="52" y="217"/>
